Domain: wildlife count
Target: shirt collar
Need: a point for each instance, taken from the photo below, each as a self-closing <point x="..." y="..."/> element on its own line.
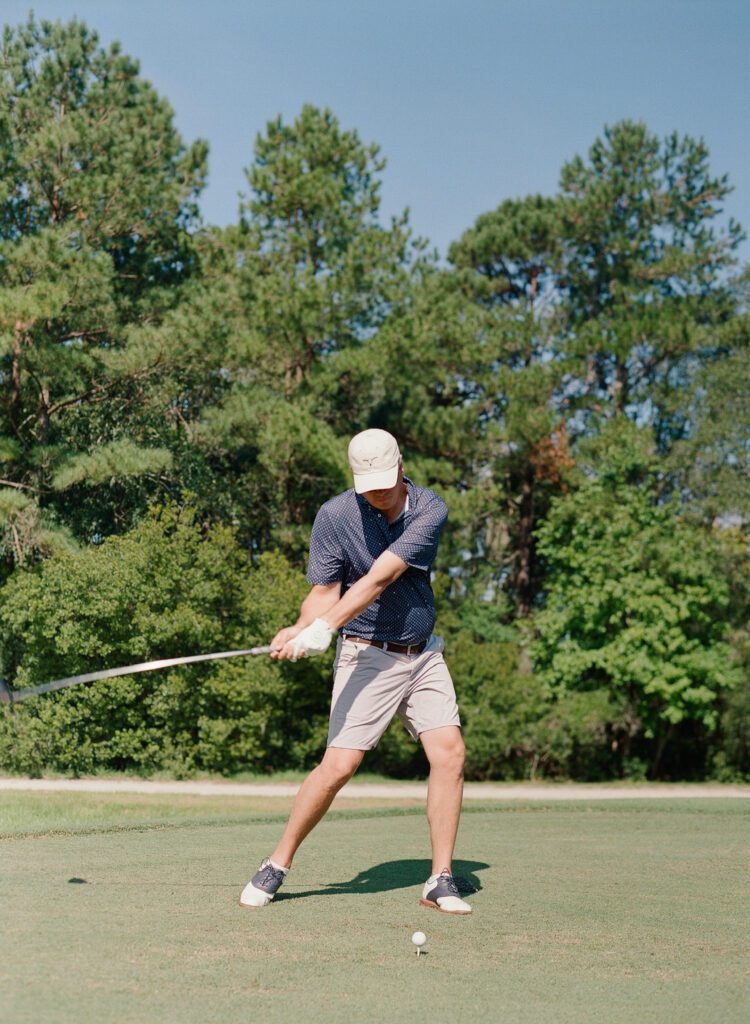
<point x="411" y="499"/>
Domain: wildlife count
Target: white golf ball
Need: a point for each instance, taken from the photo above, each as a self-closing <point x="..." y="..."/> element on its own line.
<point x="419" y="938"/>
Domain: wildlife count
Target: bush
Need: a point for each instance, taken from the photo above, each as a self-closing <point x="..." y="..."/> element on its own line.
<point x="730" y="753"/>
<point x="168" y="588"/>
<point x="636" y="606"/>
<point x="513" y="726"/>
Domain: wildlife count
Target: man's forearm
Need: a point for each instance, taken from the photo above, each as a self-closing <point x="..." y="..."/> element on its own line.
<point x="322" y="612"/>
<point x="354" y="601"/>
<point x="386" y="570"/>
<point x="316" y="605"/>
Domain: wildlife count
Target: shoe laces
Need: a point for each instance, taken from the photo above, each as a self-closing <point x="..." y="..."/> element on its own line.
<point x="270" y="873"/>
<point x="449" y="882"/>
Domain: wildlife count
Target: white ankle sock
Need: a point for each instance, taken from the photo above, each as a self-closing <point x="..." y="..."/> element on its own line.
<point x="278" y="866"/>
<point x="434" y="878"/>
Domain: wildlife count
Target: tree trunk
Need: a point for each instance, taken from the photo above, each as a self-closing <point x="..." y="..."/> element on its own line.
<point x="661" y="745"/>
<point x="15" y="372"/>
<point x="619" y="389"/>
<point x="44" y="413"/>
<point x="524" y="576"/>
<point x="17" y="544"/>
<point x="44" y="406"/>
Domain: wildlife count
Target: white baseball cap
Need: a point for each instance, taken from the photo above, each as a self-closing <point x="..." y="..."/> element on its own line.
<point x="374" y="458"/>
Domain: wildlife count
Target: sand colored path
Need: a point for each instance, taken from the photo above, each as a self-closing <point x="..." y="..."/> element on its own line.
<point x="396" y="790"/>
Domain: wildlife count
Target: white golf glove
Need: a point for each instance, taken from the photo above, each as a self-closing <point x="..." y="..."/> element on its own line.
<point x="313" y="639"/>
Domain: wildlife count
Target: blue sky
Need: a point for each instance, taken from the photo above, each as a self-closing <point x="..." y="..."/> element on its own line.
<point x="471" y="101"/>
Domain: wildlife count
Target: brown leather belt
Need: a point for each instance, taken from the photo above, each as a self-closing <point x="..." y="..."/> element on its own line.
<point x="388" y="645"/>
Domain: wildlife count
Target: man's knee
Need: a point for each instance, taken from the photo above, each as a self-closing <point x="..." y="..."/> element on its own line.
<point x="338" y="766"/>
<point x="456" y="755"/>
<point x="445" y="749"/>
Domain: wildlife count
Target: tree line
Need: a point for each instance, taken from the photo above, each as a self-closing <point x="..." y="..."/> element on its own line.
<point x="176" y="400"/>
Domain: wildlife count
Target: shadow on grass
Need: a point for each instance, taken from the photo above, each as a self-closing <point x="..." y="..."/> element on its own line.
<point x="392" y="874"/>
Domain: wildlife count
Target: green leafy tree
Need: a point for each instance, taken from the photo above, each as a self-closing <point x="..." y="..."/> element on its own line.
<point x="508" y="262"/>
<point x="729" y="756"/>
<point x="616" y="298"/>
<point x="165" y="589"/>
<point x="645" y="272"/>
<point x="636" y="604"/>
<point x="316" y="275"/>
<point x="711" y="465"/>
<point x="97" y="194"/>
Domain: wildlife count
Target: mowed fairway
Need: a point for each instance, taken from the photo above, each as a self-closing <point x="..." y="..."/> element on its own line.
<point x="125" y="910"/>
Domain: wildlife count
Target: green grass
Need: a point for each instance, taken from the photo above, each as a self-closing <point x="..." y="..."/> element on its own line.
<point x="125" y="910"/>
<point x="27" y="814"/>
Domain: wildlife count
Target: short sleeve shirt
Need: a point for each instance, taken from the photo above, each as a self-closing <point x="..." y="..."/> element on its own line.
<point x="349" y="534"/>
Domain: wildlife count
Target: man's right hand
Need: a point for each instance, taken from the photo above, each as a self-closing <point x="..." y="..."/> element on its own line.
<point x="322" y="597"/>
<point x="283" y="637"/>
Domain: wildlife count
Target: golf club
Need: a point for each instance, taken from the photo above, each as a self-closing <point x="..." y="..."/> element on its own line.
<point x="8" y="696"/>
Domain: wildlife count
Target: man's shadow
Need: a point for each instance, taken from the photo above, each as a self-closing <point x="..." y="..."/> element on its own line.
<point x="393" y="874"/>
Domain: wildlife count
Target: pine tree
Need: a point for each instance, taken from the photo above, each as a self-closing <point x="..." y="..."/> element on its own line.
<point x="646" y="272"/>
<point x="316" y="277"/>
<point x="96" y="195"/>
<point x="508" y="263"/>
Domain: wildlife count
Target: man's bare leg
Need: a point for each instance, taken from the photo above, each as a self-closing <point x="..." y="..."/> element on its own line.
<point x="314" y="798"/>
<point x="445" y="752"/>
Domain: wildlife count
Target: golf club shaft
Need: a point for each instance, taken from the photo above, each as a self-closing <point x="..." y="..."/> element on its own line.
<point x="8" y="696"/>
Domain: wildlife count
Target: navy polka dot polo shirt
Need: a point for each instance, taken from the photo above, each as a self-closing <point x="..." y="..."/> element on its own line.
<point x="349" y="534"/>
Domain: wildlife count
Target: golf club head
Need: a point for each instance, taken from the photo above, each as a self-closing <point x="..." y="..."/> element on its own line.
<point x="6" y="696"/>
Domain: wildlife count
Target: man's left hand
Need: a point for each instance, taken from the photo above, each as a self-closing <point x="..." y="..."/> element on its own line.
<point x="313" y="639"/>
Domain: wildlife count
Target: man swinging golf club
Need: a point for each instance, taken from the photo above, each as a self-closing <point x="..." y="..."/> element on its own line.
<point x="371" y="551"/>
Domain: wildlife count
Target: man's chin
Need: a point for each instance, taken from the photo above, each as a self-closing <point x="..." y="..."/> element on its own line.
<point x="380" y="501"/>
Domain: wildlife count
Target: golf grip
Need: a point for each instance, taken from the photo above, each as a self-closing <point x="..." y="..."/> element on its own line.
<point x="8" y="696"/>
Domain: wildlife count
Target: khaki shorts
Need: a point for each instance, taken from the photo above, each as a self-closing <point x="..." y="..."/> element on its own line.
<point x="371" y="685"/>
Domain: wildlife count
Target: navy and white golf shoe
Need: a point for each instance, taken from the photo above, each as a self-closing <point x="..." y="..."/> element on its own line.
<point x="441" y="893"/>
<point x="263" y="886"/>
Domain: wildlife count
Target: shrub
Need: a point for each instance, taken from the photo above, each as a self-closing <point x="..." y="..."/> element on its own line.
<point x="169" y="587"/>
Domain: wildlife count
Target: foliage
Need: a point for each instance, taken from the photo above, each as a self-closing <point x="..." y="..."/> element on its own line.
<point x="711" y="465"/>
<point x="168" y="588"/>
<point x="645" y="271"/>
<point x="96" y="199"/>
<point x="315" y="275"/>
<point x="573" y="382"/>
<point x="635" y="601"/>
<point x="507" y="264"/>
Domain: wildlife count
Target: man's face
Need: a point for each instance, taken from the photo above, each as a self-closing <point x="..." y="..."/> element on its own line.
<point x="385" y="499"/>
